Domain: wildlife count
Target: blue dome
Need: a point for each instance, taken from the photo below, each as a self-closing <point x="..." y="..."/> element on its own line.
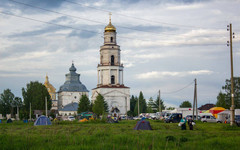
<point x="73" y="83"/>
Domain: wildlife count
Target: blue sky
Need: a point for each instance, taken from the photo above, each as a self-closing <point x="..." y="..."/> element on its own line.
<point x="164" y="44"/>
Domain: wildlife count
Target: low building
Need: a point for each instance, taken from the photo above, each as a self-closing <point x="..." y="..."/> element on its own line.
<point x="69" y="109"/>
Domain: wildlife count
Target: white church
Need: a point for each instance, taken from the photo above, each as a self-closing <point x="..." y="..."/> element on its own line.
<point x="110" y="74"/>
<point x="110" y="81"/>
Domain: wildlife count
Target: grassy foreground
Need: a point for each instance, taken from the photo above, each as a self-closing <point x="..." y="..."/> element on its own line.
<point x="99" y="135"/>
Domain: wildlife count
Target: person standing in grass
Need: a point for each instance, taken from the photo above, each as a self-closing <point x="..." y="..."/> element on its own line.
<point x="183" y="123"/>
<point x="190" y="123"/>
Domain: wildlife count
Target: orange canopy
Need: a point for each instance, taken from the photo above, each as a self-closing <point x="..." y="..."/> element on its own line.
<point x="216" y="110"/>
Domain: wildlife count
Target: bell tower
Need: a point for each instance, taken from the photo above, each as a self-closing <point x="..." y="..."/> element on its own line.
<point x="110" y="74"/>
<point x="110" y="69"/>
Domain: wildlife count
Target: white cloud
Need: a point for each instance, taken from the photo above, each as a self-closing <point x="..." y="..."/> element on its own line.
<point x="185" y="7"/>
<point x="158" y="74"/>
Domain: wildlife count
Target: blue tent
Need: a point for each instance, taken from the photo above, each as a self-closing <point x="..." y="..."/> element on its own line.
<point x="42" y="120"/>
<point x="143" y="125"/>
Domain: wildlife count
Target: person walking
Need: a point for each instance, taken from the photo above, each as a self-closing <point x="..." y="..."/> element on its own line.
<point x="183" y="123"/>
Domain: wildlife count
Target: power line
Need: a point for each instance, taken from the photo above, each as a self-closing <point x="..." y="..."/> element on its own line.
<point x="65" y="26"/>
<point x="172" y="92"/>
<point x="49" y="22"/>
<point x="76" y="17"/>
<point x="171" y="24"/>
<point x="10" y="14"/>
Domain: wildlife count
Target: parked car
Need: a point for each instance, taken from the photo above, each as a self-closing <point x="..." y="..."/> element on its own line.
<point x="174" y="118"/>
<point x="155" y="117"/>
<point x="237" y="120"/>
<point x="71" y="118"/>
<point x="208" y="118"/>
<point x="190" y="116"/>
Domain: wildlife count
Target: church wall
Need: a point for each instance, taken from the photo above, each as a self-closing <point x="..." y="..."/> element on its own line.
<point x="115" y="97"/>
<point x="105" y="75"/>
<point x="70" y="97"/>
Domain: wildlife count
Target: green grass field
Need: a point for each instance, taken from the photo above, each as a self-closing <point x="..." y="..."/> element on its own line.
<point x="99" y="135"/>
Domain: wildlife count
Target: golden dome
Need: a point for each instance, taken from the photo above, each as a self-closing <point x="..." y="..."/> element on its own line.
<point x="110" y="27"/>
<point x="49" y="86"/>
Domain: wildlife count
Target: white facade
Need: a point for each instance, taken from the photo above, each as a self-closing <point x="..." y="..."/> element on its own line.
<point x="69" y="97"/>
<point x="115" y="97"/>
<point x="67" y="113"/>
<point x="110" y="74"/>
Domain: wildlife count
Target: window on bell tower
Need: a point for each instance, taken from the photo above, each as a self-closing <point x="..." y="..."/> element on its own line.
<point x="111" y="39"/>
<point x="112" y="60"/>
<point x="112" y="79"/>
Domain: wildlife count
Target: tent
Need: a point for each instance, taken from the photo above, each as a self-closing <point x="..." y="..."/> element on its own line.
<point x="224" y="115"/>
<point x="143" y="125"/>
<point x="83" y="120"/>
<point x="9" y="120"/>
<point x="42" y="120"/>
<point x="216" y="110"/>
<point x="112" y="120"/>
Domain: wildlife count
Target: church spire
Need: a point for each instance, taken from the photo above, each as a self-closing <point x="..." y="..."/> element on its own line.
<point x="46" y="79"/>
<point x="110" y="17"/>
<point x="110" y="27"/>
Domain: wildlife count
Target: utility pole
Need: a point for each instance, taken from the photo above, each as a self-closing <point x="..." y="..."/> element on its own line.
<point x="138" y="107"/>
<point x="160" y="107"/>
<point x="46" y="106"/>
<point x="229" y="28"/>
<point x="17" y="112"/>
<point x="30" y="113"/>
<point x="195" y="100"/>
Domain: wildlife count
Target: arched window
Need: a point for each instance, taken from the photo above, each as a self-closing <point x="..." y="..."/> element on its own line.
<point x="112" y="79"/>
<point x="111" y="39"/>
<point x="112" y="60"/>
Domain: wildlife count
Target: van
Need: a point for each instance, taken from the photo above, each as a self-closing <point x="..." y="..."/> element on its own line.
<point x="208" y="118"/>
<point x="174" y="118"/>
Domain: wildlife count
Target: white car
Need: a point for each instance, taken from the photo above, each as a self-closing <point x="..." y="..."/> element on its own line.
<point x="208" y="118"/>
<point x="71" y="118"/>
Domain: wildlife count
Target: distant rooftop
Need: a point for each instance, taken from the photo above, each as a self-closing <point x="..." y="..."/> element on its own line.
<point x="70" y="107"/>
<point x="206" y="107"/>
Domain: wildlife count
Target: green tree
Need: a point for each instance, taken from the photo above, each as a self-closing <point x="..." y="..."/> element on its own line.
<point x="170" y="108"/>
<point x="221" y="100"/>
<point x="227" y="93"/>
<point x="35" y="93"/>
<point x="17" y="102"/>
<point x="157" y="104"/>
<point x="105" y="106"/>
<point x="84" y="104"/>
<point x="142" y="104"/>
<point x="133" y="101"/>
<point x="98" y="106"/>
<point x="150" y="105"/>
<point x="6" y="101"/>
<point x="91" y="107"/>
<point x="185" y="104"/>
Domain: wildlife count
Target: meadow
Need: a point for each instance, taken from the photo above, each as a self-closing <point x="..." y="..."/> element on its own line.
<point x="100" y="135"/>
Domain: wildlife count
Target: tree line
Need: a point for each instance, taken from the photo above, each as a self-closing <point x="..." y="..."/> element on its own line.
<point x="34" y="94"/>
<point x="151" y="107"/>
<point x="224" y="97"/>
